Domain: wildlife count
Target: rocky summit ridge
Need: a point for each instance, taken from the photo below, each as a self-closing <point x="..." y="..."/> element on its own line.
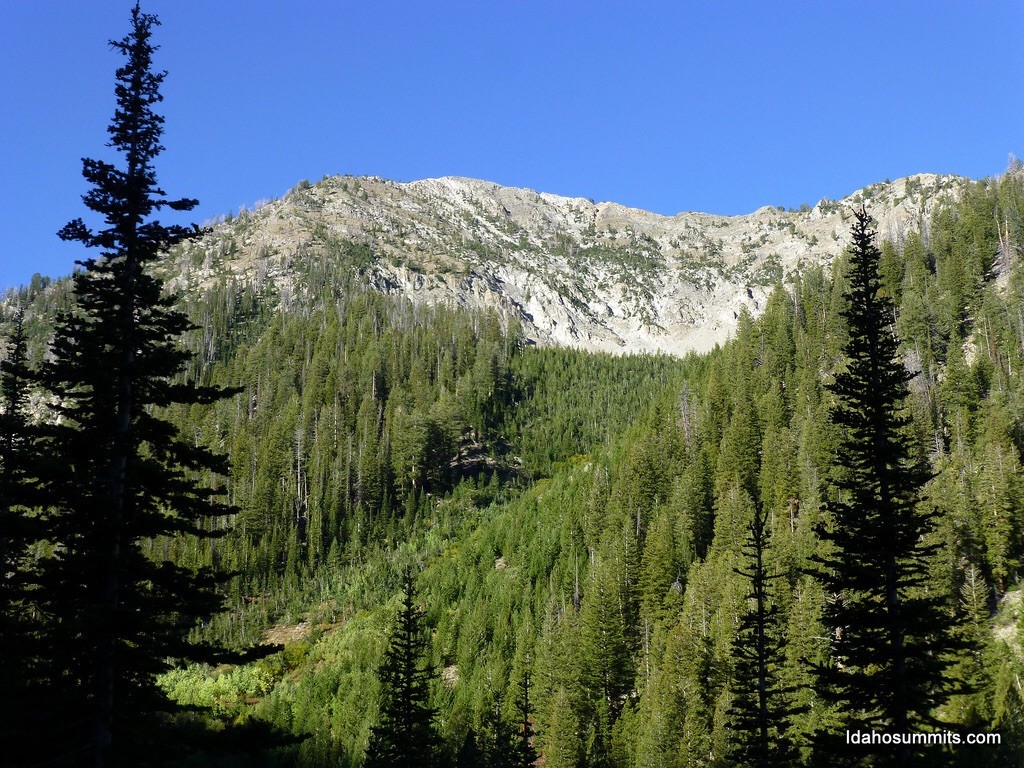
<point x="597" y="276"/>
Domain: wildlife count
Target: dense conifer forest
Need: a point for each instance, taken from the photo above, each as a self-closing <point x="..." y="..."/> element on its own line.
<point x="369" y="532"/>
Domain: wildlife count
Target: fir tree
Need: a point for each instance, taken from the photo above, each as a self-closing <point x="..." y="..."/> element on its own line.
<point x="607" y="668"/>
<point x="18" y="530"/>
<point x="526" y="755"/>
<point x="126" y="477"/>
<point x="758" y="709"/>
<point x="469" y="754"/>
<point x="889" y="641"/>
<point x="21" y="632"/>
<point x="499" y="739"/>
<point x="975" y="709"/>
<point x="404" y="736"/>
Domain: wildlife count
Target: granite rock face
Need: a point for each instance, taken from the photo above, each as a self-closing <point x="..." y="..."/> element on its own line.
<point x="597" y="276"/>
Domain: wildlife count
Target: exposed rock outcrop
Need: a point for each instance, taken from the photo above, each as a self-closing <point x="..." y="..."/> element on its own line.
<point x="598" y="276"/>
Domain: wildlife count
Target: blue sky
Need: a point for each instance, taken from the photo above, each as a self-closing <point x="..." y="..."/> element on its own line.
<point x="667" y="106"/>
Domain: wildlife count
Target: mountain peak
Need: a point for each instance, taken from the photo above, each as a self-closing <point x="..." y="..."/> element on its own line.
<point x="598" y="276"/>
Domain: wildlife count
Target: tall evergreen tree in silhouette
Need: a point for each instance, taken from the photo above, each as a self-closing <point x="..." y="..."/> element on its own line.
<point x="526" y="755"/>
<point x="889" y="641"/>
<point x="759" y="709"/>
<point x="17" y="529"/>
<point x="21" y="632"/>
<point x="469" y="755"/>
<point x="404" y="736"/>
<point x="126" y="476"/>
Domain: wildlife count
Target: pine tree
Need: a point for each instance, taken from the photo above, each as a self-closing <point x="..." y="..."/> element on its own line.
<point x="889" y="640"/>
<point x="125" y="476"/>
<point x="404" y="736"/>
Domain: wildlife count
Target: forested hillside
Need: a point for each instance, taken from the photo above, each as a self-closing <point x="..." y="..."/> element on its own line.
<point x="317" y="486"/>
<point x="577" y="524"/>
<point x="580" y="519"/>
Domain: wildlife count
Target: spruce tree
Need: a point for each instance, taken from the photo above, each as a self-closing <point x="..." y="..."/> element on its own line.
<point x="124" y="476"/>
<point x="404" y="736"/>
<point x="889" y="641"/>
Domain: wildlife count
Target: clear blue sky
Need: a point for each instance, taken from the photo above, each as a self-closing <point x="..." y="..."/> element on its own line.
<point x="668" y="106"/>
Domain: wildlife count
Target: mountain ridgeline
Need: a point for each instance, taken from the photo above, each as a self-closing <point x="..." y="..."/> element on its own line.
<point x="443" y="379"/>
<point x="595" y="276"/>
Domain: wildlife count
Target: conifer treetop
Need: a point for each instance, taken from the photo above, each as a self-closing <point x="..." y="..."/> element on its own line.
<point x="126" y="197"/>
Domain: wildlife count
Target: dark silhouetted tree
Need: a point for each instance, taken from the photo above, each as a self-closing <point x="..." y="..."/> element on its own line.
<point x="890" y="645"/>
<point x="499" y="738"/>
<point x="404" y="736"/>
<point x="21" y="632"/>
<point x="759" y="709"/>
<point x="526" y="755"/>
<point x="469" y="754"/>
<point x="125" y="476"/>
